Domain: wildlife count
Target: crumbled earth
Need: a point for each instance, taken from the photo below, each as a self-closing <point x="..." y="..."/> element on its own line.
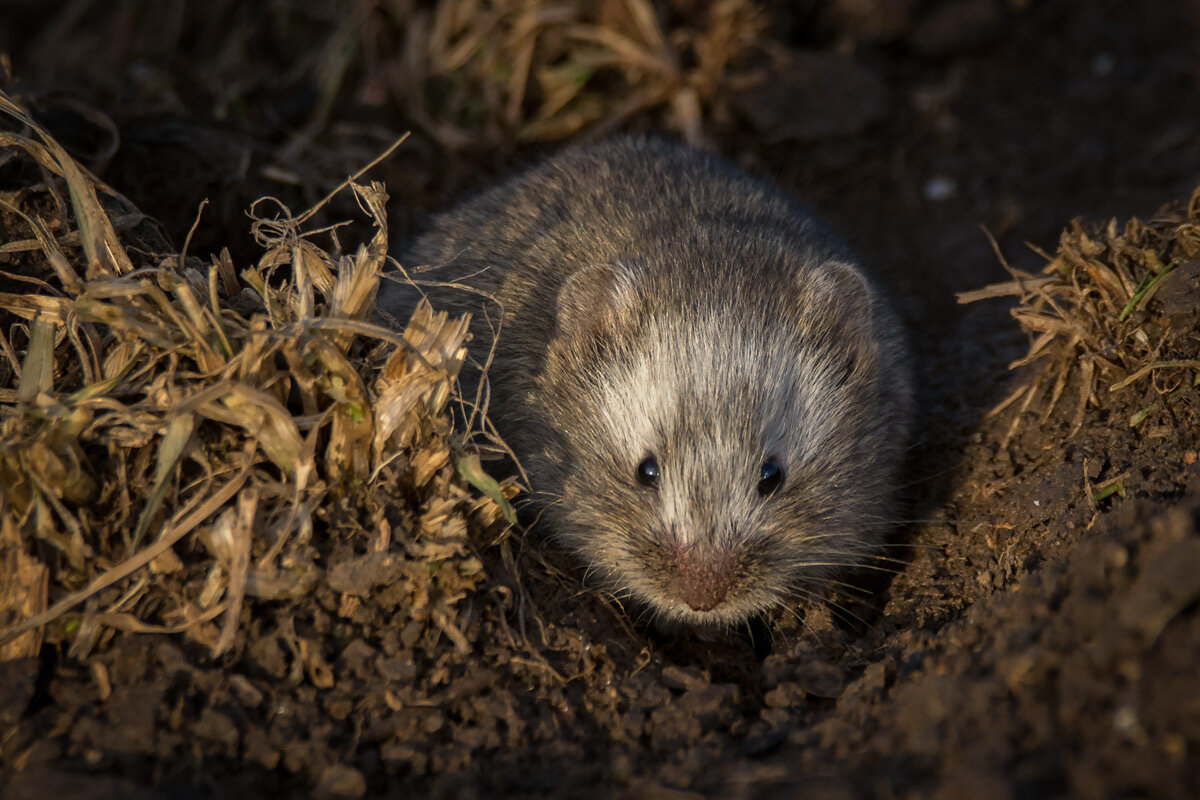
<point x="1026" y="636"/>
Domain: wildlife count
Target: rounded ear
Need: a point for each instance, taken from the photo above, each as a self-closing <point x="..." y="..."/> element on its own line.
<point x="593" y="298"/>
<point x="843" y="285"/>
<point x="845" y="305"/>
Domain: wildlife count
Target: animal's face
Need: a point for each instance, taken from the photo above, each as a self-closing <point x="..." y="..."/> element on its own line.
<point x="717" y="465"/>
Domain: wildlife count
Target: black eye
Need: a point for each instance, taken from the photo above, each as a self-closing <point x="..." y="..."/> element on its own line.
<point x="770" y="478"/>
<point x="647" y="472"/>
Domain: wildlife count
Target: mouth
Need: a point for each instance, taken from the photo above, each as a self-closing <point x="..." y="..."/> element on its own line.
<point x="703" y="585"/>
<point x="731" y="613"/>
<point x="713" y="585"/>
<point x="720" y="604"/>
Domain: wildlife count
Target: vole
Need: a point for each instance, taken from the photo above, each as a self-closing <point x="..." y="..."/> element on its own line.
<point x="709" y="397"/>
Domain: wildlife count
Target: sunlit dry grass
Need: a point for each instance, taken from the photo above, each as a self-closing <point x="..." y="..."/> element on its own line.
<point x="163" y="418"/>
<point x="1092" y="315"/>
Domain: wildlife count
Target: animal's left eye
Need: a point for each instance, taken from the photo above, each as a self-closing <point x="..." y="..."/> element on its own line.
<point x="770" y="477"/>
<point x="648" y="473"/>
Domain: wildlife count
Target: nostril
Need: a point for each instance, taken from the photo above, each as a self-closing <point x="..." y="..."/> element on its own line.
<point x="702" y="581"/>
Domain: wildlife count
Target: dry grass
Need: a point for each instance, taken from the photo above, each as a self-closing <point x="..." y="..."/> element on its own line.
<point x="1094" y="318"/>
<point x="548" y="70"/>
<point x="471" y="73"/>
<point x="172" y="432"/>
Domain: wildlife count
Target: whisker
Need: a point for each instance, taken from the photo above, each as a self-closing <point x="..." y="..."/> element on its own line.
<point x="821" y="599"/>
<point x="901" y="522"/>
<point x="803" y="619"/>
<point x="925" y="478"/>
<point x="909" y="545"/>
<point x="856" y="565"/>
<point x="850" y="587"/>
<point x="890" y="560"/>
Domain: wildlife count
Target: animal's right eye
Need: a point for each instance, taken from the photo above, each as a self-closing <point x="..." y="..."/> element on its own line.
<point x="770" y="477"/>
<point x="648" y="473"/>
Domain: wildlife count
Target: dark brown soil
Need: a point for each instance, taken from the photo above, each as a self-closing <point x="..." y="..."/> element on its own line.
<point x="1031" y="642"/>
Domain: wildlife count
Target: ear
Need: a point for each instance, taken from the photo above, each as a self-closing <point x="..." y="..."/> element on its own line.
<point x="843" y="286"/>
<point x="593" y="298"/>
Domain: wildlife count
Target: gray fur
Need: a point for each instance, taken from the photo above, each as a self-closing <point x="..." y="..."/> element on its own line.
<point x="656" y="300"/>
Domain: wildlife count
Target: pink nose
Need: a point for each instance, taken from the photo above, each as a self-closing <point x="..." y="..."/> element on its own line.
<point x="702" y="580"/>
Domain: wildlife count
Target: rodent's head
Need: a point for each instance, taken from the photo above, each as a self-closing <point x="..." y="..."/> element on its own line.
<point x="719" y="455"/>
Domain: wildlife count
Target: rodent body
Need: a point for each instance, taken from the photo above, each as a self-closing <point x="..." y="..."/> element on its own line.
<point x="710" y="400"/>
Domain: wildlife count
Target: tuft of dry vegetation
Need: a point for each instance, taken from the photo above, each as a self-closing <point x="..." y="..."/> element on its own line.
<point x="1115" y="306"/>
<point x="175" y="435"/>
<point x="470" y="73"/>
<point x="549" y="70"/>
